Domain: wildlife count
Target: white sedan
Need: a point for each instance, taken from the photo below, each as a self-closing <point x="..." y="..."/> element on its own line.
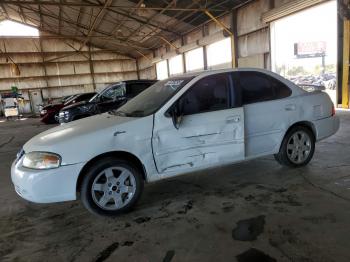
<point x="179" y="125"/>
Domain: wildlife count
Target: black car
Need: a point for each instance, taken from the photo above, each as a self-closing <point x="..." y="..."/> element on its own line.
<point x="112" y="97"/>
<point x="49" y="113"/>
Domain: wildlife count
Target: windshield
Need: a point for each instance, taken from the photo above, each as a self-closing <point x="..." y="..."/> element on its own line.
<point x="110" y="93"/>
<point x="150" y="100"/>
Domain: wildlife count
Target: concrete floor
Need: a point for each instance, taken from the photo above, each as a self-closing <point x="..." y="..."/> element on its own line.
<point x="253" y="211"/>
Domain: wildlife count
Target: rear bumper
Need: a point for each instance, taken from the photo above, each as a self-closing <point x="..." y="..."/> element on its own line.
<point x="326" y="127"/>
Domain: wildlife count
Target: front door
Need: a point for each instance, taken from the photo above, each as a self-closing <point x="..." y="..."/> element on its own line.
<point x="211" y="131"/>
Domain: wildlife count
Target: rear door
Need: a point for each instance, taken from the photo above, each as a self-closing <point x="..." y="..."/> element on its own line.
<point x="211" y="131"/>
<point x="268" y="108"/>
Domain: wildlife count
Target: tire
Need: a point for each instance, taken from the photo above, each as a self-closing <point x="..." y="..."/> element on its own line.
<point x="297" y="148"/>
<point x="111" y="187"/>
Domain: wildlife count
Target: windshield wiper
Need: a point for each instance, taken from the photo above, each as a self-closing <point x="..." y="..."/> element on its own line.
<point x="136" y="113"/>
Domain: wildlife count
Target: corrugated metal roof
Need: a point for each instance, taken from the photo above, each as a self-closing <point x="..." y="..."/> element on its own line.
<point x="128" y="27"/>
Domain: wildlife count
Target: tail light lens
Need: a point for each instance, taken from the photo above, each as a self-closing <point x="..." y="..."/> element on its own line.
<point x="333" y="110"/>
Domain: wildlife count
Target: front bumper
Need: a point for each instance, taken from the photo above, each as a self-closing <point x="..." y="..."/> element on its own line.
<point x="326" y="127"/>
<point x="46" y="186"/>
<point x="48" y="118"/>
<point x="62" y="118"/>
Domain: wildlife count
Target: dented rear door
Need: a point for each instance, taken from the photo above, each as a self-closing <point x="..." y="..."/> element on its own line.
<point x="208" y="135"/>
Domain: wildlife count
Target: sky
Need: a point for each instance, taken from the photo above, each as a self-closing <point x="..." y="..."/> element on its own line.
<point x="318" y="23"/>
<point x="9" y="28"/>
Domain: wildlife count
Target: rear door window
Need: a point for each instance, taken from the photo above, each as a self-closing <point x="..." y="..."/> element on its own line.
<point x="258" y="87"/>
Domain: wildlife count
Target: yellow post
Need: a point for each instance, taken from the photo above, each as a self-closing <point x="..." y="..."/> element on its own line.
<point x="223" y="26"/>
<point x="346" y="60"/>
<point x="233" y="51"/>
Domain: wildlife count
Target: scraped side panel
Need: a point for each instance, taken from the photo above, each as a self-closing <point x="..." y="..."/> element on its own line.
<point x="206" y="139"/>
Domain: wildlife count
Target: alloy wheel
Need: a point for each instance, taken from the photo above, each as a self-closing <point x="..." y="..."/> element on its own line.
<point x="113" y="188"/>
<point x="299" y="147"/>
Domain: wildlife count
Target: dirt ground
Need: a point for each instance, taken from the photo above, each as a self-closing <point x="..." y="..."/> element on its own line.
<point x="253" y="211"/>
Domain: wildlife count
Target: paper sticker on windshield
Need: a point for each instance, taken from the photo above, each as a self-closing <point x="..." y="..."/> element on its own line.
<point x="174" y="84"/>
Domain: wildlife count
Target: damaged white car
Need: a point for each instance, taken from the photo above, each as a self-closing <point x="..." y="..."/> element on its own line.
<point x="179" y="125"/>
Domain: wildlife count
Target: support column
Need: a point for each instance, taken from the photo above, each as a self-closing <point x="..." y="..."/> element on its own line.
<point x="234" y="39"/>
<point x="229" y="32"/>
<point x="92" y="72"/>
<point x="137" y="69"/>
<point x="183" y="55"/>
<point x="43" y="62"/>
<point x="346" y="60"/>
<point x="205" y="58"/>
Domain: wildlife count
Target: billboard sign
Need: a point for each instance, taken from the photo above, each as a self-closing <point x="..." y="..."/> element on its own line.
<point x="310" y="49"/>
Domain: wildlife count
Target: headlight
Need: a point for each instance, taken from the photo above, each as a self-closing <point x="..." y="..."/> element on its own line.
<point x="64" y="114"/>
<point x="43" y="112"/>
<point x="41" y="160"/>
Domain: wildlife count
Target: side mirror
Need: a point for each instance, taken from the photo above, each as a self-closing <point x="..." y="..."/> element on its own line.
<point x="176" y="115"/>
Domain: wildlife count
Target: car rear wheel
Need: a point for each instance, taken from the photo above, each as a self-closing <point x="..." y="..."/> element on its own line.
<point x="111" y="187"/>
<point x="298" y="147"/>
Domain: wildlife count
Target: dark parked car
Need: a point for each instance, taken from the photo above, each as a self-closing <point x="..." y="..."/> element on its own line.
<point x="60" y="100"/>
<point x="49" y="113"/>
<point x="112" y="97"/>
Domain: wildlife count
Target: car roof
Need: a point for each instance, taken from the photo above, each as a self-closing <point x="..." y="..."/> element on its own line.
<point x="131" y="81"/>
<point x="218" y="71"/>
<point x="138" y="81"/>
<point x="200" y="74"/>
<point x="88" y="93"/>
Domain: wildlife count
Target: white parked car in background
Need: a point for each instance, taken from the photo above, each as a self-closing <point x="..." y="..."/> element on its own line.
<point x="179" y="125"/>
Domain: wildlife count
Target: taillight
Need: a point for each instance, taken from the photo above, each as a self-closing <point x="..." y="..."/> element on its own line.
<point x="333" y="110"/>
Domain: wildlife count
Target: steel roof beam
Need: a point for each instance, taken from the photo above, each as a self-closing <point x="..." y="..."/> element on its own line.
<point x="16" y="2"/>
<point x="132" y="45"/>
<point x="98" y="19"/>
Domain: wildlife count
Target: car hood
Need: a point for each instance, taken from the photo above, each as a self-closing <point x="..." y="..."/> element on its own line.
<point x="79" y="135"/>
<point x="78" y="104"/>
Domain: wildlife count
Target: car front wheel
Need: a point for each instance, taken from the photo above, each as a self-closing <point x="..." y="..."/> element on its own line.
<point x="111" y="187"/>
<point x="298" y="147"/>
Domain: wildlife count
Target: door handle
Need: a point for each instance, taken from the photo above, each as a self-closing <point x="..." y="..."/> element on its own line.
<point x="233" y="119"/>
<point x="290" y="107"/>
